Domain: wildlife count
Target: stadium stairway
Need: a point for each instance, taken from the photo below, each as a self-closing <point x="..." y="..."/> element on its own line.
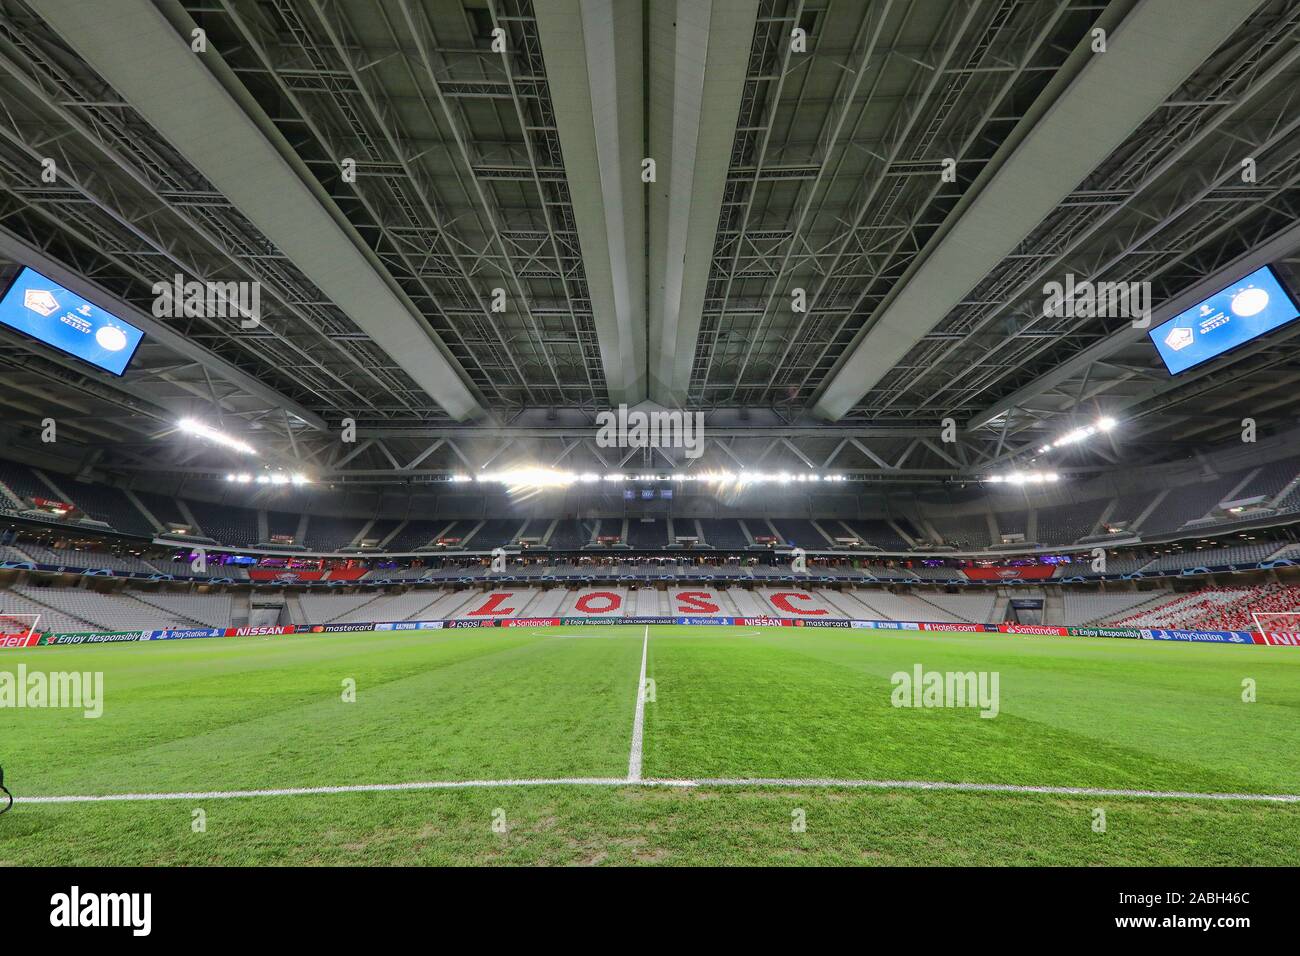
<point x="449" y="602"/>
<point x="1279" y="552"/>
<point x="1277" y="501"/>
<point x="857" y="604"/>
<point x="748" y="603"/>
<point x="548" y="603"/>
<point x="1053" y="606"/>
<point x="330" y="608"/>
<point x="830" y="538"/>
<point x="297" y="613"/>
<point x="8" y="500"/>
<point x="366" y="611"/>
<point x="25" y="554"/>
<point x="241" y="607"/>
<point x="361" y="612"/>
<point x="15" y="602"/>
<point x="644" y="602"/>
<point x="846" y="604"/>
<point x="727" y="604"/>
<point x="424" y="610"/>
<point x="687" y="601"/>
<point x="1157" y="598"/>
<point x="90" y="622"/>
<point x="927" y="605"/>
<point x="571" y="601"/>
<point x="860" y="598"/>
<point x="455" y="603"/>
<point x="102" y="611"/>
<point x="536" y="599"/>
<point x="1180" y="610"/>
<point x="945" y="612"/>
<point x="375" y="609"/>
<point x="186" y="619"/>
<point x="407" y="606"/>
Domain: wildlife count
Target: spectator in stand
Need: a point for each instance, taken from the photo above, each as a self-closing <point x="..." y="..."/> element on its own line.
<point x="1219" y="609"/>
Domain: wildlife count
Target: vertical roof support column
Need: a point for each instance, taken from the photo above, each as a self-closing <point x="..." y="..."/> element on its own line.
<point x="594" y="70"/>
<point x="696" y="82"/>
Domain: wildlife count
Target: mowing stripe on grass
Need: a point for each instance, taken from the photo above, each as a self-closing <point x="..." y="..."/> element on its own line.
<point x="720" y="782"/>
<point x="638" y="722"/>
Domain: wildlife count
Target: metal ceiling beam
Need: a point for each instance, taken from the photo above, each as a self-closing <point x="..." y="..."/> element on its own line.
<point x="1280" y="246"/>
<point x="14" y="248"/>
<point x="824" y="432"/>
<point x="212" y="227"/>
<point x="696" y="81"/>
<point x="594" y="71"/>
<point x="1140" y="250"/>
<point x="1151" y="52"/>
<point x="143" y="55"/>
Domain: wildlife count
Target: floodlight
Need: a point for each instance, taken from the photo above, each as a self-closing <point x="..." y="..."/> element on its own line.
<point x="192" y="427"/>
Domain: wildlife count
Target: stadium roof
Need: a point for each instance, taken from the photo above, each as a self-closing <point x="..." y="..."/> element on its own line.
<point x="381" y="171"/>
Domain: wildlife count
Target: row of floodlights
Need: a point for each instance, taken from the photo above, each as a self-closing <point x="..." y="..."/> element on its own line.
<point x="550" y="478"/>
<point x="1024" y="478"/>
<point x="1103" y="424"/>
<point x="1080" y="434"/>
<point x="268" y="478"/>
<point x="191" y="427"/>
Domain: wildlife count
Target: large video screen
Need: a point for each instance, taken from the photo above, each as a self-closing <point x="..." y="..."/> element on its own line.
<point x="1250" y="307"/>
<point x="46" y="311"/>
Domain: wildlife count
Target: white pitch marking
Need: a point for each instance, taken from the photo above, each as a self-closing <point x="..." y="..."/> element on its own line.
<point x="350" y="788"/>
<point x="828" y="782"/>
<point x="728" y="782"/>
<point x="638" y="722"/>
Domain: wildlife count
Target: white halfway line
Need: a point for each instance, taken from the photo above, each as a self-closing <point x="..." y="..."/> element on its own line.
<point x="638" y="722"/>
<point x="807" y="782"/>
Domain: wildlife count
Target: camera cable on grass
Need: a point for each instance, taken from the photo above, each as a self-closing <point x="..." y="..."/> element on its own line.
<point x="8" y="798"/>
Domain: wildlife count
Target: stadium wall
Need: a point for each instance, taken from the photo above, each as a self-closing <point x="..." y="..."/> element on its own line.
<point x="37" y="639"/>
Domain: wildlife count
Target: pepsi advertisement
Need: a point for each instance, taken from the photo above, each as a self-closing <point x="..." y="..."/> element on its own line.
<point x="1253" y="305"/>
<point x="44" y="310"/>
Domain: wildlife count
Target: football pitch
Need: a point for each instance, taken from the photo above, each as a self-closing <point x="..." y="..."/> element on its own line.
<point x="744" y="746"/>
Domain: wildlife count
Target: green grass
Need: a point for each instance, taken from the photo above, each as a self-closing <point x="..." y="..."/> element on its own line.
<point x="251" y="713"/>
